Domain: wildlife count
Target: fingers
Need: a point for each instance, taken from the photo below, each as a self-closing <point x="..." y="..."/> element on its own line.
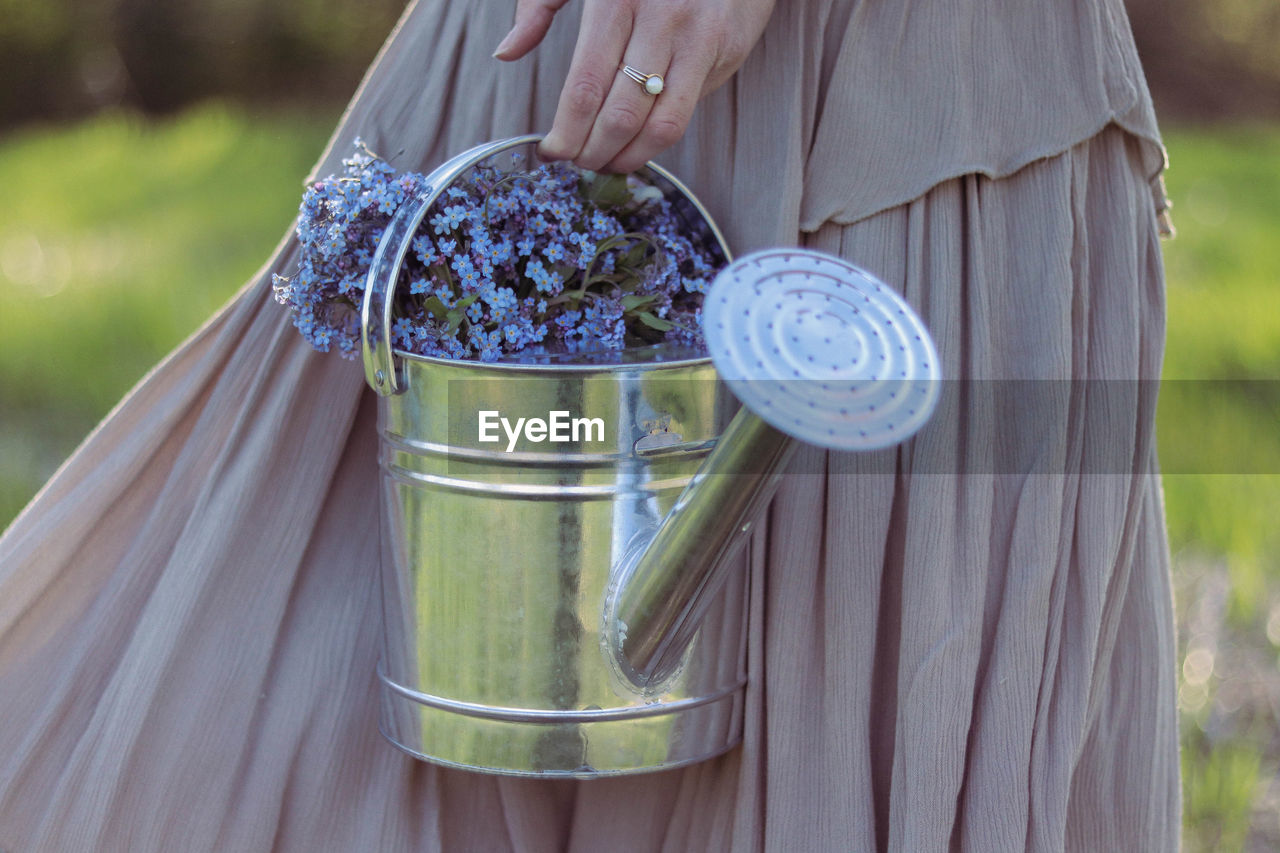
<point x="670" y="113"/>
<point x="533" y="19"/>
<point x="628" y="109"/>
<point x="605" y="30"/>
<point x="605" y="120"/>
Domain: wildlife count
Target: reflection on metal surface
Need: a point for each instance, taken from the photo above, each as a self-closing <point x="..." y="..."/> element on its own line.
<point x="496" y="574"/>
<point x="671" y="578"/>
<point x="497" y="565"/>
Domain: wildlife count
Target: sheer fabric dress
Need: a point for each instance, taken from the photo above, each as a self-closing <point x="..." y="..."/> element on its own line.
<point x="965" y="643"/>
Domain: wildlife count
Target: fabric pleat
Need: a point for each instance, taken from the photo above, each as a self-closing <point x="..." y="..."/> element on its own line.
<point x="965" y="643"/>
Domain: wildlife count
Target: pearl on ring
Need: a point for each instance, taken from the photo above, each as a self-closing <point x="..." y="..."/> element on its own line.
<point x="652" y="83"/>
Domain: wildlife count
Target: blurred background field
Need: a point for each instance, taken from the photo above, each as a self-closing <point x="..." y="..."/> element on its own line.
<point x="1224" y="324"/>
<point x="118" y="236"/>
<point x="152" y="155"/>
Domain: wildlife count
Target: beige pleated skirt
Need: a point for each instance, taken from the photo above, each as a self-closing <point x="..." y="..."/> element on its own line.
<point x="949" y="650"/>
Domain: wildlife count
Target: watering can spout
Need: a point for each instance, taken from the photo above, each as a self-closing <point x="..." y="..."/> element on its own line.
<point x="664" y="588"/>
<point x="817" y="350"/>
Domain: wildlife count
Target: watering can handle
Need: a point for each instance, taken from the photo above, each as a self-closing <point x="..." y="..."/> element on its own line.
<point x="381" y="369"/>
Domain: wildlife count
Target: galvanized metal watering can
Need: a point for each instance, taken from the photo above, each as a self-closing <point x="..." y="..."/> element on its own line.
<point x="576" y="607"/>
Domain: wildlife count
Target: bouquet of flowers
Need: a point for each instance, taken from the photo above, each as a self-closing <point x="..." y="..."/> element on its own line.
<point x="549" y="259"/>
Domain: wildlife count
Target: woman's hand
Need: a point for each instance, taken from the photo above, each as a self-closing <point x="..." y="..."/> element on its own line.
<point x="606" y="120"/>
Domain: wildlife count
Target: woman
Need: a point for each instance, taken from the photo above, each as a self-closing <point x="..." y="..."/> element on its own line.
<point x="955" y="645"/>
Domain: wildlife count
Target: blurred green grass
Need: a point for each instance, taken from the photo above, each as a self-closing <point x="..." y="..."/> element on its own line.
<point x="118" y="237"/>
<point x="1223" y="272"/>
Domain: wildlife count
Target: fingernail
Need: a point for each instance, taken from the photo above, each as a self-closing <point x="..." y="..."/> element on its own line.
<point x="549" y="144"/>
<point x="504" y="45"/>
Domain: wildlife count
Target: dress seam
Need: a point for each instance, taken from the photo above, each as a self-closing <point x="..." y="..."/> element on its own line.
<point x="811" y="225"/>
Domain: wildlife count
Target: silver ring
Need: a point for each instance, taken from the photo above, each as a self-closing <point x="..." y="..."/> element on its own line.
<point x="652" y="83"/>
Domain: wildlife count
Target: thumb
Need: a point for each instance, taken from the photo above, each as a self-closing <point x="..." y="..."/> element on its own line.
<point x="533" y="18"/>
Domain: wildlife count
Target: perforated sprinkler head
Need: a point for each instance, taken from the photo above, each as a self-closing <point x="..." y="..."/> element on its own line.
<point x="821" y="349"/>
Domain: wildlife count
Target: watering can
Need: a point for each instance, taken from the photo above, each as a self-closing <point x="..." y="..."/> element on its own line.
<point x="563" y="581"/>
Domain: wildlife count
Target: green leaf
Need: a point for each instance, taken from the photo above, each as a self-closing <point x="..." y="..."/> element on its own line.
<point x="634" y="300"/>
<point x="654" y="322"/>
<point x="608" y="190"/>
<point x="635" y="255"/>
<point x="435" y="307"/>
<point x="455" y="319"/>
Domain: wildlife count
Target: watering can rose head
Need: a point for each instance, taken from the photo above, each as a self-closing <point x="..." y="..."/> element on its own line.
<point x="550" y="259"/>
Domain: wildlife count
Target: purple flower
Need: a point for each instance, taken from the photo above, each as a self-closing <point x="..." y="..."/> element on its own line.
<point x="424" y="251"/>
<point x="488" y="345"/>
<point x="402" y="332"/>
<point x="501" y="205"/>
<point x="502" y="304"/>
<point x="445" y="295"/>
<point x="554" y="251"/>
<point x="462" y="265"/>
<point x="449" y="219"/>
<point x="602" y="225"/>
<point x="483" y="225"/>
